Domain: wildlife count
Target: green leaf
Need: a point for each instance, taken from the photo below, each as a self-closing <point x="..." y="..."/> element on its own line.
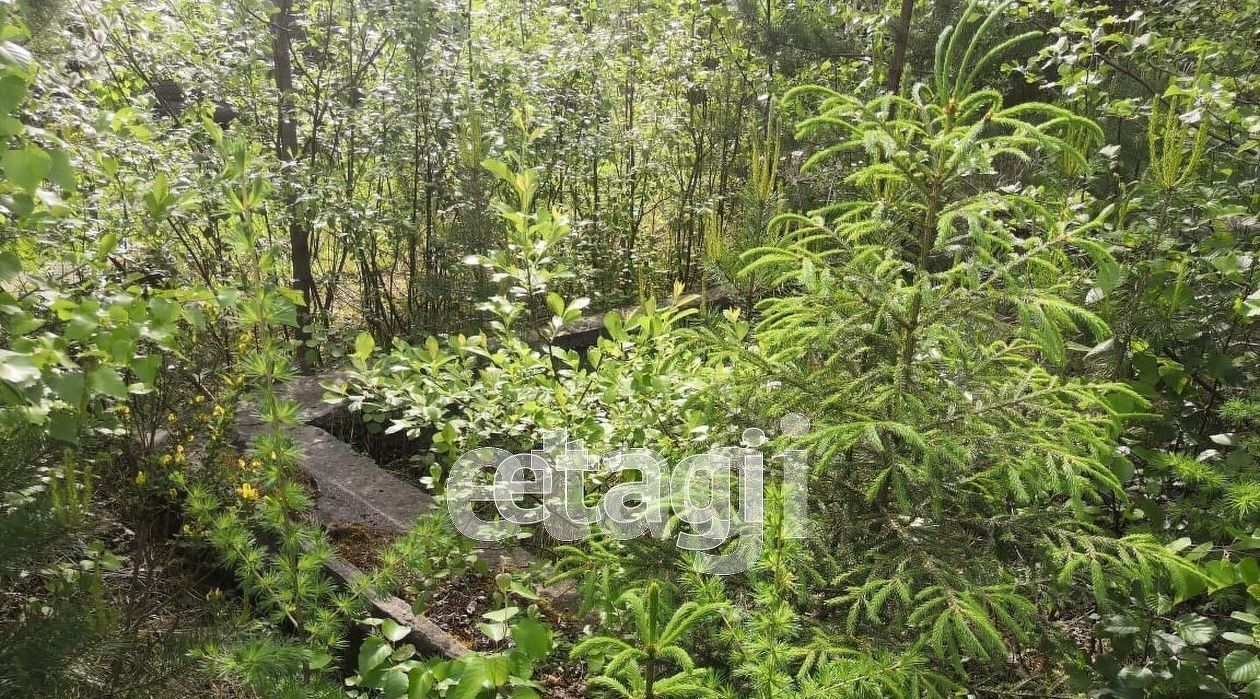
<point x="532" y="637"/>
<point x="472" y="681"/>
<point x="106" y="245"/>
<point x="396" y="684"/>
<point x="1109" y="275"/>
<point x="494" y="632"/>
<point x="62" y="172"/>
<point x="612" y="322"/>
<point x="420" y="683"/>
<point x="522" y="590"/>
<point x="394" y="631"/>
<point x="63" y="426"/>
<point x="1241" y="666"/>
<point x="10" y="266"/>
<point x="1240" y="638"/>
<point x="364" y="344"/>
<point x="1249" y="570"/>
<point x="497" y="168"/>
<point x="1251" y="305"/>
<point x="1136" y="677"/>
<point x="68" y="386"/>
<point x="12" y="92"/>
<point x="555" y="304"/>
<point x="146" y="368"/>
<point x="498" y="671"/>
<point x="1195" y="629"/>
<point x="17" y="368"/>
<point x="26" y="167"/>
<point x="106" y="380"/>
<point x="500" y="616"/>
<point x="10" y="126"/>
<point x="372" y="653"/>
<point x="12" y="54"/>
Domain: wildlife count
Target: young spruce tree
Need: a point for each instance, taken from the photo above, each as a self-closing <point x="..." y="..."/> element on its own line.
<point x="925" y="324"/>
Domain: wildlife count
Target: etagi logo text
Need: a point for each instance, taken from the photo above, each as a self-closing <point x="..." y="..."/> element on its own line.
<point x="714" y="501"/>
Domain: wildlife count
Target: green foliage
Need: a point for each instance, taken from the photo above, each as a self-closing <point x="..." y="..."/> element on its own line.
<point x="393" y="672"/>
<point x="1019" y="311"/>
<point x="266" y="665"/>
<point x="80" y="346"/>
<point x="923" y="326"/>
<point x="637" y="668"/>
<point x="258" y="527"/>
<point x="633" y="386"/>
<point x="429" y="555"/>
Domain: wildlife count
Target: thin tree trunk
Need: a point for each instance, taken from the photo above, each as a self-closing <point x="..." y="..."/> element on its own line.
<point x="901" y="37"/>
<point x="286" y="152"/>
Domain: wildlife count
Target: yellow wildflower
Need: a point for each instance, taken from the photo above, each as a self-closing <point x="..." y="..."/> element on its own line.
<point x="199" y="398"/>
<point x="240" y="463"/>
<point x="165" y="460"/>
<point x="218" y="411"/>
<point x="247" y="491"/>
<point x="141" y="478"/>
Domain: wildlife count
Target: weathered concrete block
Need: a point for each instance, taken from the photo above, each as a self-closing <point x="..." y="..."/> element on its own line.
<point x="427" y="637"/>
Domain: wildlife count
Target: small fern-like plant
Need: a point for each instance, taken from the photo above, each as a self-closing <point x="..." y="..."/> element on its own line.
<point x="637" y="669"/>
<point x="254" y="513"/>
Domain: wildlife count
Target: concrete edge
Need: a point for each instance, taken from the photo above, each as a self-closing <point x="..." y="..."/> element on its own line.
<point x="426" y="636"/>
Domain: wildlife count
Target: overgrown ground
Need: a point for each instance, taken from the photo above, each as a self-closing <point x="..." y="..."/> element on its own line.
<point x="989" y="295"/>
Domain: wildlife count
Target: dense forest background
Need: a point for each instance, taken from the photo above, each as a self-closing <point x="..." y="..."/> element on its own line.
<point x="1001" y="256"/>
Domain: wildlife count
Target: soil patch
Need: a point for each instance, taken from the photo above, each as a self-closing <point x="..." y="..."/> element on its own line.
<point x="457" y="606"/>
<point x="360" y="545"/>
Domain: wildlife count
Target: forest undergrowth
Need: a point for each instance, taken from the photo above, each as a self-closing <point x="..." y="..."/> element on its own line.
<point x="952" y="305"/>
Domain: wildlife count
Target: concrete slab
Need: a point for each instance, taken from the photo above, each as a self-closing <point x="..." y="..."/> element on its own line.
<point x="426" y="636"/>
<point x="306" y="391"/>
<point x="351" y="489"/>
